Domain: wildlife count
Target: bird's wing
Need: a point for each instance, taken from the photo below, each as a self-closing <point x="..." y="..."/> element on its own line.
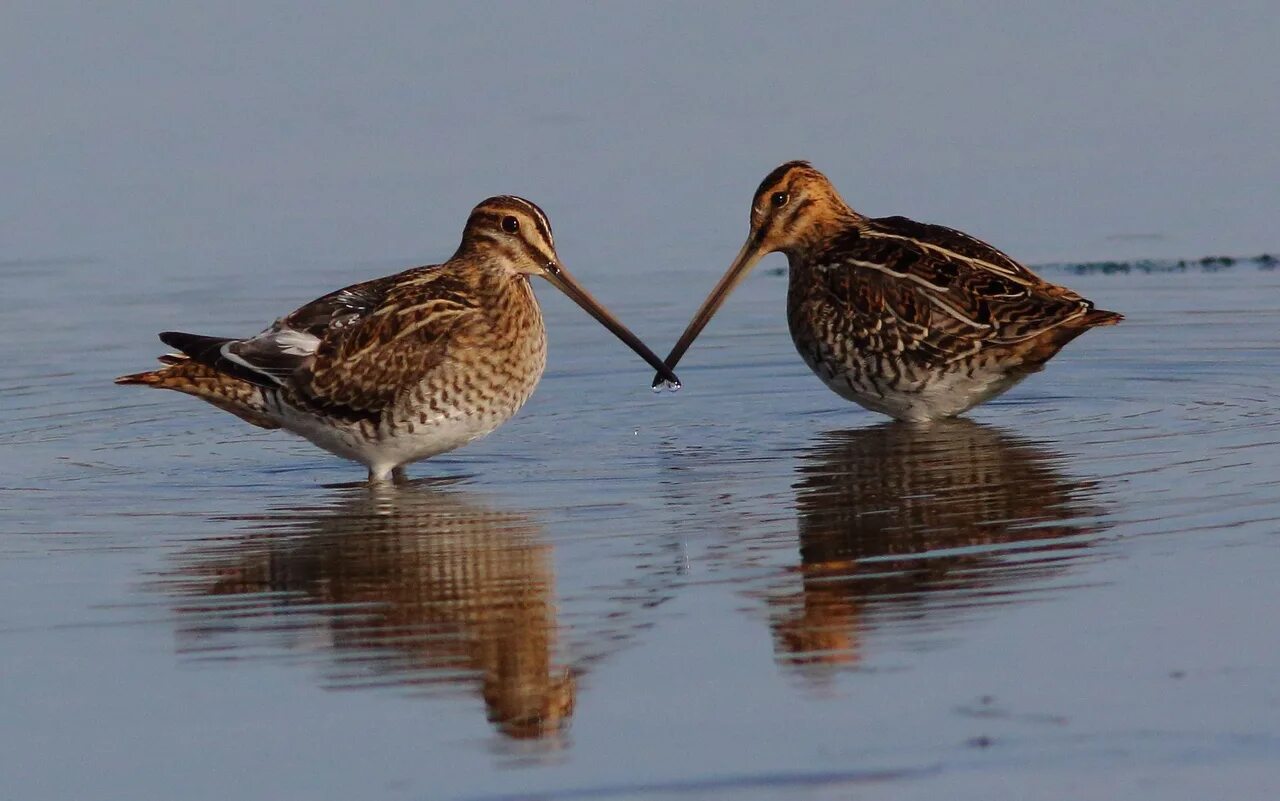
<point x="369" y="351"/>
<point x="951" y="244"/>
<point x="270" y="358"/>
<point x="936" y="293"/>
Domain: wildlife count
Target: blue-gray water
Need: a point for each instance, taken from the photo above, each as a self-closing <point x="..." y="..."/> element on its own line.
<point x="746" y="583"/>
<point x="749" y="589"/>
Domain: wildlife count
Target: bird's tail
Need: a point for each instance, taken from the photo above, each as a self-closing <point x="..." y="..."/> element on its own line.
<point x="1098" y="317"/>
<point x="228" y="393"/>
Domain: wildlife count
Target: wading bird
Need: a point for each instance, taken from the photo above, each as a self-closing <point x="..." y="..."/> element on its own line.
<point x="402" y="368"/>
<point x="912" y="320"/>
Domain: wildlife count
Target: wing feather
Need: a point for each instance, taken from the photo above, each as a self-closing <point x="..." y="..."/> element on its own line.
<point x="347" y="353"/>
<point x="933" y="293"/>
<point x="361" y="365"/>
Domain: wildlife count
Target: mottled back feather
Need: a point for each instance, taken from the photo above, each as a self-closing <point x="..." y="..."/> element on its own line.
<point x="358" y="366"/>
<point x="344" y="354"/>
<point x="930" y="293"/>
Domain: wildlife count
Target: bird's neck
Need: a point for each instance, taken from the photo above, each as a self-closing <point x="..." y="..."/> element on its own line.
<point x="821" y="225"/>
<point x="507" y="296"/>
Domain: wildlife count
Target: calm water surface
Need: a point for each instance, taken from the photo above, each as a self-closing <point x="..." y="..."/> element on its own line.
<point x="750" y="589"/>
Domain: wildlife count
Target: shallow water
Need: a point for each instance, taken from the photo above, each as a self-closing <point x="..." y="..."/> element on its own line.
<point x="749" y="589"/>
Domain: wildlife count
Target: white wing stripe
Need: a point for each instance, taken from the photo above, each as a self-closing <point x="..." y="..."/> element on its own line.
<point x="296" y="343"/>
<point x="980" y="263"/>
<point x="230" y="356"/>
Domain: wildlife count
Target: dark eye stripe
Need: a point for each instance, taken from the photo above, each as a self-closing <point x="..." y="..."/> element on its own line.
<point x="795" y="212"/>
<point x="541" y="223"/>
<point x="798" y="208"/>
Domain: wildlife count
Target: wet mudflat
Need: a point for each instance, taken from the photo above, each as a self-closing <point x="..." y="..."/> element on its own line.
<point x="748" y="589"/>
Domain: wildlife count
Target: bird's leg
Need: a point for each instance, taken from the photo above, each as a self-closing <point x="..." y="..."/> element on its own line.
<point x="382" y="474"/>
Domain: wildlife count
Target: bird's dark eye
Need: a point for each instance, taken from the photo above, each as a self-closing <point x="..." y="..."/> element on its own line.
<point x="779" y="199"/>
<point x="510" y="224"/>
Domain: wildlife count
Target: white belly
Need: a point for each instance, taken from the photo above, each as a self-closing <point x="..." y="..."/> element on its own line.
<point x="945" y="395"/>
<point x="410" y="430"/>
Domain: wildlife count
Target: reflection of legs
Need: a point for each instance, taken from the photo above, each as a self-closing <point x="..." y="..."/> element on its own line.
<point x="398" y="475"/>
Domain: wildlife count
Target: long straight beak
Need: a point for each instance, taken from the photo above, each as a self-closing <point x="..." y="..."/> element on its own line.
<point x="567" y="284"/>
<point x="746" y="259"/>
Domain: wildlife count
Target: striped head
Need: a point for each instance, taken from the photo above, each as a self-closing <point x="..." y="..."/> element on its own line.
<point x="794" y="209"/>
<point x="514" y="235"/>
<point x="512" y="232"/>
<point x="793" y="206"/>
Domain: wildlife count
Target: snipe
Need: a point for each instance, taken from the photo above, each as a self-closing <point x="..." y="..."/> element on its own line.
<point x="912" y="320"/>
<point x="405" y="367"/>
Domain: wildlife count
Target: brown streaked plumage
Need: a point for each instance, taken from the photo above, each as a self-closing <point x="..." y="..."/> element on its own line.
<point x="912" y="320"/>
<point x="400" y="368"/>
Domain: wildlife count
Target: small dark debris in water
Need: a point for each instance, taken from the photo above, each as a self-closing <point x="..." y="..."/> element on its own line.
<point x="985" y="707"/>
<point x="1105" y="267"/>
<point x="981" y="741"/>
<point x="1177" y="674"/>
<point x="1265" y="261"/>
<point x="777" y="271"/>
<point x="988" y="708"/>
<point x="1217" y="262"/>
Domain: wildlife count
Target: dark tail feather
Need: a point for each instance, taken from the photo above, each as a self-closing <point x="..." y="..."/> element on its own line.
<point x="208" y="351"/>
<point x="202" y="349"/>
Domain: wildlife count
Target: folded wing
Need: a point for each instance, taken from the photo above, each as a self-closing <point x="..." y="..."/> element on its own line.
<point x="346" y="353"/>
<point x="934" y="293"/>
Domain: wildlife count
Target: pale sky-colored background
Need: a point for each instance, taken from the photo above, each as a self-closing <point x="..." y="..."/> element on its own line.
<point x="268" y="134"/>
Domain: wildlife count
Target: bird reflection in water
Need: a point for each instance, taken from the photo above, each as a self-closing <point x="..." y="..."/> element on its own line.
<point x="422" y="588"/>
<point x="899" y="520"/>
